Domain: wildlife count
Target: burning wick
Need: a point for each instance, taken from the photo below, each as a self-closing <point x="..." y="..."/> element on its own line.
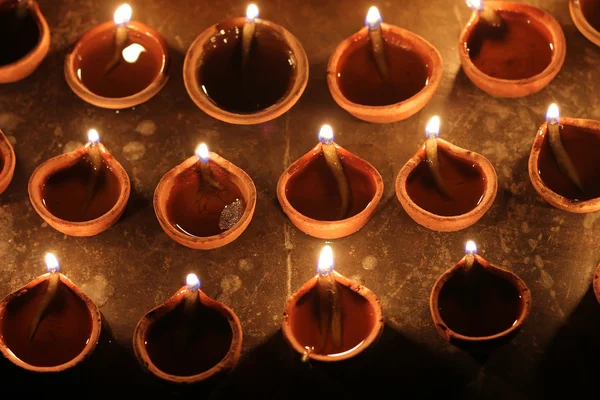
<point x="373" y="22"/>
<point x="191" y="296"/>
<point x="565" y="163"/>
<point x="95" y="157"/>
<point x="93" y="150"/>
<point x="330" y="313"/>
<point x="53" y="268"/>
<point x="248" y="31"/>
<point x="203" y="156"/>
<point x="470" y="250"/>
<point x="432" y="131"/>
<point x="488" y="15"/>
<point x="121" y="18"/>
<point x="335" y="166"/>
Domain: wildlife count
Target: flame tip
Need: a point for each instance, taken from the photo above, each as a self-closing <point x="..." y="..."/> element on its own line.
<point x="202" y="152"/>
<point x="553" y="114"/>
<point x="123" y="14"/>
<point x="475" y="5"/>
<point x="326" y="134"/>
<point x="373" y="18"/>
<point x="192" y="281"/>
<point x="93" y="136"/>
<point x="471" y="247"/>
<point x="325" y="265"/>
<point x="251" y="11"/>
<point x="433" y="127"/>
<point x="52" y="264"/>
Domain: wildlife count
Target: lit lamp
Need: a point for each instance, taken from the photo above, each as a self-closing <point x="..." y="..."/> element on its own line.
<point x="81" y="193"/>
<point x="205" y="202"/>
<point x="331" y="318"/>
<point x="475" y="301"/>
<point x="189" y="338"/>
<point x="329" y="192"/>
<point x="444" y="187"/>
<point x="48" y="325"/>
<point x="118" y="64"/>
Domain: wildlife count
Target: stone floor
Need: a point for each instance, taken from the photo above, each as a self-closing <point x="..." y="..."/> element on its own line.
<point x="135" y="266"/>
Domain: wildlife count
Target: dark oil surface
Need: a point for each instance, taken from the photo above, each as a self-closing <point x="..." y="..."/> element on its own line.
<point x="313" y="190"/>
<point x="62" y="334"/>
<point x="479" y="303"/>
<point x="522" y="48"/>
<point x="78" y="193"/>
<point x="126" y="79"/>
<point x="464" y="181"/>
<point x="361" y="82"/>
<point x="185" y="344"/>
<point x="265" y="79"/>
<point x="357" y="321"/>
<point x="583" y="146"/>
<point x="194" y="206"/>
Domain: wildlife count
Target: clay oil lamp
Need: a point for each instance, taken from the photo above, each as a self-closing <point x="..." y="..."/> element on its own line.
<point x="7" y="162"/>
<point x="245" y="70"/>
<point x="329" y="192"/>
<point x="118" y="64"/>
<point x="586" y="16"/>
<point x="475" y="301"/>
<point x="205" y="202"/>
<point x="189" y="338"/>
<point x="48" y="325"/>
<point x="563" y="165"/>
<point x="331" y="318"/>
<point x="81" y="193"/>
<point x="444" y="187"/>
<point x="511" y="49"/>
<point x="383" y="73"/>
<point x="24" y="39"/>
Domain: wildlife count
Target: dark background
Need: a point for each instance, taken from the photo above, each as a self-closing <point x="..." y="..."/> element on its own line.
<point x="134" y="266"/>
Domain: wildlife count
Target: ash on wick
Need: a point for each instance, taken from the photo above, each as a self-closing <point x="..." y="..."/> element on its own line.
<point x="373" y="22"/>
<point x="432" y="131"/>
<point x="563" y="160"/>
<point x="470" y="250"/>
<point x="486" y="14"/>
<point x="330" y="313"/>
<point x="248" y="32"/>
<point x="53" y="268"/>
<point x="335" y="166"/>
<point x="203" y="156"/>
<point x="121" y="18"/>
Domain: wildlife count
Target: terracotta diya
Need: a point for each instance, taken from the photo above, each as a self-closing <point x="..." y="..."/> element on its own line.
<point x="331" y="318"/>
<point x="118" y="64"/>
<point x="189" y="338"/>
<point x="245" y="70"/>
<point x="586" y="16"/>
<point x="205" y="202"/>
<point x="383" y="73"/>
<point x="48" y="325"/>
<point x="24" y="39"/>
<point x="7" y="162"/>
<point x="563" y="165"/>
<point x="476" y="301"/>
<point x="444" y="187"/>
<point x="329" y="192"/>
<point x="81" y="193"/>
<point x="511" y="49"/>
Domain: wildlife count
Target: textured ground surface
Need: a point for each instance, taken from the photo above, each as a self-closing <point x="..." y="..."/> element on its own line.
<point x="134" y="266"/>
